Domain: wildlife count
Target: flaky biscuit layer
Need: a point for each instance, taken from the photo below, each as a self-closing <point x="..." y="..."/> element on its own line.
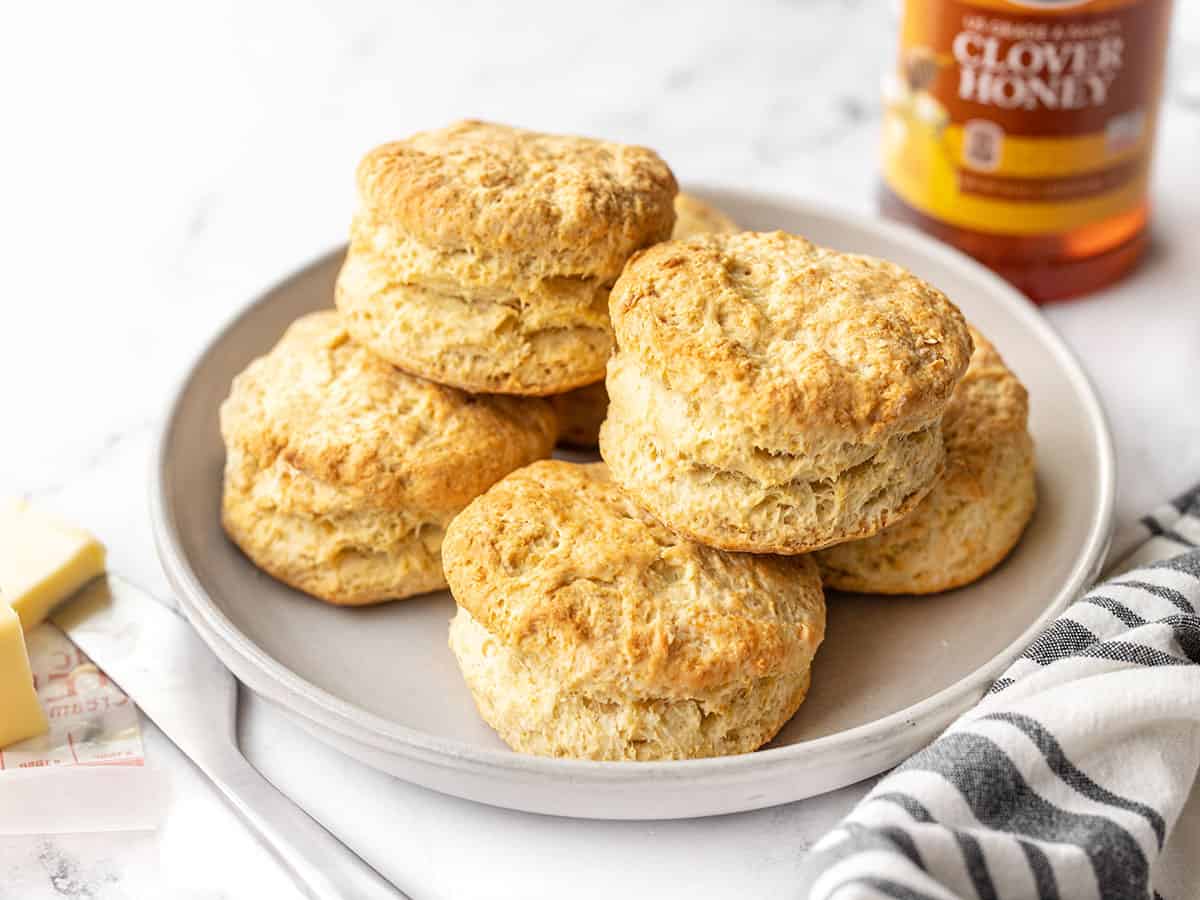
<point x="729" y="509"/>
<point x="535" y="713"/>
<point x="480" y="338"/>
<point x="316" y="539"/>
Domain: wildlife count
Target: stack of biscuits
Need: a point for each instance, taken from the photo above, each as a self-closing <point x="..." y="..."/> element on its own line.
<point x="772" y="416"/>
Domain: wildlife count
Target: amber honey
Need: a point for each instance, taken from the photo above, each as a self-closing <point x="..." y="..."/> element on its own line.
<point x="1022" y="131"/>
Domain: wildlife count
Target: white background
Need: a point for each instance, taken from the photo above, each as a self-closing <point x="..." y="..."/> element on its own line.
<point x="162" y="162"/>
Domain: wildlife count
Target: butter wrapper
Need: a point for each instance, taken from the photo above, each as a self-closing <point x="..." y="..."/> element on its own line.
<point x="92" y="722"/>
<point x="88" y="772"/>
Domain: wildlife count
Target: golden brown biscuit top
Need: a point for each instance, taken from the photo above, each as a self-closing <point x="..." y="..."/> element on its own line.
<point x="558" y="563"/>
<point x="342" y="415"/>
<point x="778" y="329"/>
<point x="572" y="205"/>
<point x="988" y="408"/>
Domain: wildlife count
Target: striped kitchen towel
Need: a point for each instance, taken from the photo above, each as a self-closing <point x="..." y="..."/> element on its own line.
<point x="1066" y="780"/>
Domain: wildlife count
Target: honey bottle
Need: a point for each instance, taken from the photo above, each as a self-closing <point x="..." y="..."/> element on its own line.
<point x="1021" y="132"/>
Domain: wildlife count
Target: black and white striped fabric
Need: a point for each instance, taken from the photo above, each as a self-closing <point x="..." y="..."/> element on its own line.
<point x="1171" y="529"/>
<point x="1066" y="779"/>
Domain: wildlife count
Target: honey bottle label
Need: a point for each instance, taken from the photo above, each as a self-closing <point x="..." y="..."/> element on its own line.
<point x="1024" y="117"/>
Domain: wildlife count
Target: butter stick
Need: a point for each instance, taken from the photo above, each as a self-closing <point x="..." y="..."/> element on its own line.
<point x="42" y="561"/>
<point x="20" y="715"/>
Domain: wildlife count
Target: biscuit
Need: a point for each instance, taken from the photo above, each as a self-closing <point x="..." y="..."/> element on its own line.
<point x="695" y="216"/>
<point x="771" y="396"/>
<point x="977" y="510"/>
<point x="342" y="472"/>
<point x="481" y="256"/>
<point x="587" y="629"/>
<point x="581" y="411"/>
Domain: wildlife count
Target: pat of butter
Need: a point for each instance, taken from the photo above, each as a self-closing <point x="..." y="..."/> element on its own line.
<point x="20" y="715"/>
<point x="42" y="561"/>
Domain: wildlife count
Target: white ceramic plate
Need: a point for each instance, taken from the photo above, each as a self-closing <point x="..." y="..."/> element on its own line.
<point x="380" y="683"/>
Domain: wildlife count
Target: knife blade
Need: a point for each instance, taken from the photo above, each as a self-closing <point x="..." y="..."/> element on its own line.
<point x="166" y="669"/>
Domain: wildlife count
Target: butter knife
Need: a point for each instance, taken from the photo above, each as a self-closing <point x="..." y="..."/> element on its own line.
<point x="159" y="661"/>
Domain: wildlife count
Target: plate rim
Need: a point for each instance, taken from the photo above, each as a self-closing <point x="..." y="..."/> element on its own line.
<point x="270" y="677"/>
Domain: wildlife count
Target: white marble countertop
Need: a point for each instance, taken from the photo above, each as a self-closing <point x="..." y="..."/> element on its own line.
<point x="164" y="162"/>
